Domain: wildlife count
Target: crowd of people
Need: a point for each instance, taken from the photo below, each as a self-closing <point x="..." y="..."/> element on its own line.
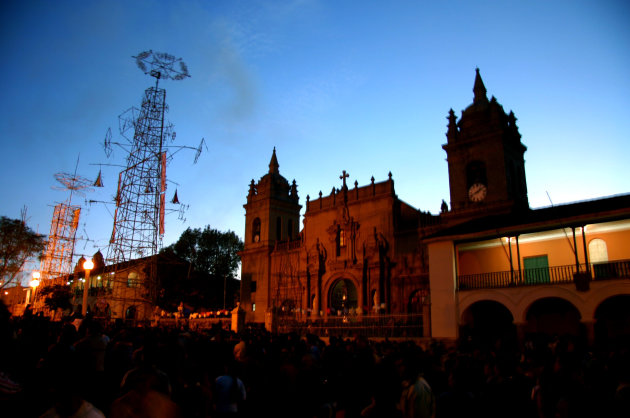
<point x="90" y="369"/>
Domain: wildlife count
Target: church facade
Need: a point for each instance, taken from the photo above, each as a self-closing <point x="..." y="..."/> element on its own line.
<point x="363" y="252"/>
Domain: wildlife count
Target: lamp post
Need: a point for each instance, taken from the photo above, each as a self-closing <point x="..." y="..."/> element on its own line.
<point x="87" y="266"/>
<point x="34" y="283"/>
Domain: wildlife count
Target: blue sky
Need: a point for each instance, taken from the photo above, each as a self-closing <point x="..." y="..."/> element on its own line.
<point x="333" y="85"/>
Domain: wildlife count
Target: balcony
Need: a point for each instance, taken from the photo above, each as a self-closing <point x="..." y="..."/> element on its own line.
<point x="544" y="276"/>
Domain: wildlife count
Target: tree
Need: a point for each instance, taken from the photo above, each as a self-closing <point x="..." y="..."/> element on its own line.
<point x="18" y="243"/>
<point x="209" y="251"/>
<point x="211" y="283"/>
<point x="57" y="296"/>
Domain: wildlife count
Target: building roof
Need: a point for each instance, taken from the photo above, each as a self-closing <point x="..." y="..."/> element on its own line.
<point x="533" y="220"/>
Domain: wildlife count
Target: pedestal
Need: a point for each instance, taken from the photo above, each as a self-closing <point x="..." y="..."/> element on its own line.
<point x="238" y="320"/>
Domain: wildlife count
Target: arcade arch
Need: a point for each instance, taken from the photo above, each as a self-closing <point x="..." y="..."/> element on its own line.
<point x="486" y="322"/>
<point x="553" y="315"/>
<point x="612" y="318"/>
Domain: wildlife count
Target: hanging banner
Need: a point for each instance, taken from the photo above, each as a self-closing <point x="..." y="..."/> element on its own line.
<point x="113" y="238"/>
<point x="163" y="188"/>
<point x="118" y="191"/>
<point x="75" y="218"/>
<point x="162" y="214"/>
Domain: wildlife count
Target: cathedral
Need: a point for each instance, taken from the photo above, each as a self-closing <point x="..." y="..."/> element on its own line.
<point x="363" y="252"/>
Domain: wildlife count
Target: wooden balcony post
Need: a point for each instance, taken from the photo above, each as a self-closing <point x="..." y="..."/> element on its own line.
<point x="518" y="256"/>
<point x="588" y="265"/>
<point x="577" y="260"/>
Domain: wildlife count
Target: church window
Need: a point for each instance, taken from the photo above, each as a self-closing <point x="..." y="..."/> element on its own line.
<point x="256" y="230"/>
<point x="340" y="241"/>
<point x="278" y="228"/>
<point x="290" y="229"/>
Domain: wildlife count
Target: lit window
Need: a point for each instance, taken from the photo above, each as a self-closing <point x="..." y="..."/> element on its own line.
<point x="597" y="251"/>
<point x="256" y="230"/>
<point x="132" y="279"/>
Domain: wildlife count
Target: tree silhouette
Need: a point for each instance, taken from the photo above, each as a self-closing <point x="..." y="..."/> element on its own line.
<point x="211" y="281"/>
<point x="18" y="243"/>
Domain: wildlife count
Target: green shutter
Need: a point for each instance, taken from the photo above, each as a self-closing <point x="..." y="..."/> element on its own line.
<point x="536" y="269"/>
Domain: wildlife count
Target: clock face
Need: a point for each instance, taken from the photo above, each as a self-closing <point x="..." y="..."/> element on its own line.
<point x="477" y="192"/>
<point x="256" y="238"/>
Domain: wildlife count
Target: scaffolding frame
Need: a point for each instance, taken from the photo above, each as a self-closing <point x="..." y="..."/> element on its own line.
<point x="138" y="226"/>
<point x="57" y="260"/>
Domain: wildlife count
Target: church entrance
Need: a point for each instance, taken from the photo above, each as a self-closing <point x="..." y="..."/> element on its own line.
<point x="130" y="313"/>
<point x="343" y="297"/>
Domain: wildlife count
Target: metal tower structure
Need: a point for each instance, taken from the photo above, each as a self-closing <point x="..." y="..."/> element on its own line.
<point x="140" y="197"/>
<point x="57" y="259"/>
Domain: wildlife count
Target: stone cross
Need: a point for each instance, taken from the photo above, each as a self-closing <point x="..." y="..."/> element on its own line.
<point x="343" y="177"/>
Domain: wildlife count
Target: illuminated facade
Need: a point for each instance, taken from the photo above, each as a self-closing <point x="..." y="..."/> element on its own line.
<point x="363" y="252"/>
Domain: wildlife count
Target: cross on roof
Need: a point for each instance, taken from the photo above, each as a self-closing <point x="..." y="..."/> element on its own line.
<point x="343" y="177"/>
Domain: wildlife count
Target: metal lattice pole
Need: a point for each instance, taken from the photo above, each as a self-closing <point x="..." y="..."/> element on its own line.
<point x="140" y="199"/>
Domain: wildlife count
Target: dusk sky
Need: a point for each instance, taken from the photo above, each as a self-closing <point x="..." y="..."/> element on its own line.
<point x="361" y="86"/>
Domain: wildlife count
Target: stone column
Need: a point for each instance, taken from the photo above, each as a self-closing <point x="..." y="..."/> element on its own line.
<point x="520" y="331"/>
<point x="238" y="319"/>
<point x="442" y="281"/>
<point x="589" y="325"/>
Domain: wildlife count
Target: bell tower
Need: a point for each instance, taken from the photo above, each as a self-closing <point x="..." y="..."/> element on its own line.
<point x="272" y="214"/>
<point x="485" y="157"/>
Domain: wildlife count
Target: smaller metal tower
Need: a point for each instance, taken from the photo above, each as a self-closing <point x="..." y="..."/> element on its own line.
<point x="57" y="258"/>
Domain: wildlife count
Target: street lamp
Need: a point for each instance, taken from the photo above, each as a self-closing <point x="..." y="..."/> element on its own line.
<point x="87" y="266"/>
<point x="34" y="283"/>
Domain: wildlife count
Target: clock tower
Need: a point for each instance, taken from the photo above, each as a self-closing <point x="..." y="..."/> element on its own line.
<point x="485" y="158"/>
<point x="272" y="214"/>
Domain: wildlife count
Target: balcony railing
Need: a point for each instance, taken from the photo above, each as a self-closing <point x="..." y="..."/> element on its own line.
<point x="544" y="276"/>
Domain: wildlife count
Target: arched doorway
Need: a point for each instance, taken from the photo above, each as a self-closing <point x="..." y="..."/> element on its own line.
<point x="130" y="313"/>
<point x="488" y="323"/>
<point x="612" y="318"/>
<point x="342" y="297"/>
<point x="553" y="316"/>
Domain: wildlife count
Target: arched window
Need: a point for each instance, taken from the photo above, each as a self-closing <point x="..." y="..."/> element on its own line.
<point x="597" y="251"/>
<point x="598" y="257"/>
<point x="256" y="230"/>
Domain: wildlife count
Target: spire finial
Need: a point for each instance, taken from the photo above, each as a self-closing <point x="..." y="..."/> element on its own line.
<point x="452" y="132"/>
<point x="273" y="164"/>
<point x="479" y="89"/>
